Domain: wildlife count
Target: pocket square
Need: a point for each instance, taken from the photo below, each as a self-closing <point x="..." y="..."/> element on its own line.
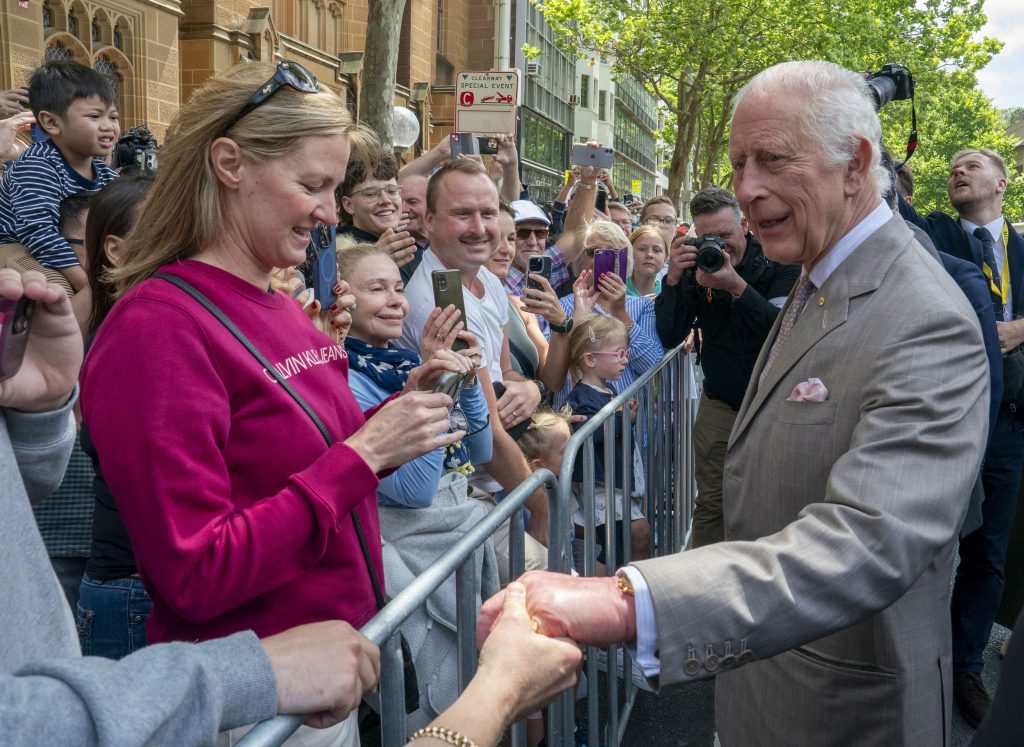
<point x="812" y="390"/>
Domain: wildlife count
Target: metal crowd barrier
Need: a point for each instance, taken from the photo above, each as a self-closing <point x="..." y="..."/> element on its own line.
<point x="667" y="408"/>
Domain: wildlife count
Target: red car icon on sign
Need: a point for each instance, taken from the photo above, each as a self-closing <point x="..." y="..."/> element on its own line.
<point x="498" y="99"/>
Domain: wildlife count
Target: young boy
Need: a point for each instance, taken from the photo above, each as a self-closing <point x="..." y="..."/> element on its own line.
<point x="76" y="107"/>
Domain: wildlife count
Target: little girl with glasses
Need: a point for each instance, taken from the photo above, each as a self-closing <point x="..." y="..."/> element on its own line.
<point x="598" y="353"/>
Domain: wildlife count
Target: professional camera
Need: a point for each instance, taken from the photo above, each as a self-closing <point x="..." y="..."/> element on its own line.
<point x="136" y="149"/>
<point x="711" y="254"/>
<point x="891" y="83"/>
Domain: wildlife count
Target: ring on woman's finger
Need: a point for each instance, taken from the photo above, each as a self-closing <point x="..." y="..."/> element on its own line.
<point x="515" y="413"/>
<point x="439" y="337"/>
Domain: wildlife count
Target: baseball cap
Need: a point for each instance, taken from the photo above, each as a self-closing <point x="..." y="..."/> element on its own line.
<point x="526" y="210"/>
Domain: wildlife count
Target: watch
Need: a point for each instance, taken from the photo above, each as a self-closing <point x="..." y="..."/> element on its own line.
<point x="564" y="328"/>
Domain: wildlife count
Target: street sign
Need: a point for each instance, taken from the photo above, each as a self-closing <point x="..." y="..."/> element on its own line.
<point x="638" y="186"/>
<point x="486" y="100"/>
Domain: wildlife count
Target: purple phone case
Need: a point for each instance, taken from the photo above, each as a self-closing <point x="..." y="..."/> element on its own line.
<point x="609" y="260"/>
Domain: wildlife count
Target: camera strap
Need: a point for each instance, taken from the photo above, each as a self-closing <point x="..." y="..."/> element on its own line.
<point x="912" y="140"/>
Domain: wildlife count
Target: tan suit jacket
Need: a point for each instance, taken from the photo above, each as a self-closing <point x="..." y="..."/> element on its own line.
<point x="844" y="515"/>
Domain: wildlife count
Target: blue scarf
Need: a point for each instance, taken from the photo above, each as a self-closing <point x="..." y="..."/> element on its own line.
<point x="389" y="369"/>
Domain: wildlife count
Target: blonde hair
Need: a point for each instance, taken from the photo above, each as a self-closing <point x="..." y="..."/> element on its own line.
<point x="991" y="155"/>
<point x="184" y="212"/>
<point x="647" y="230"/>
<point x="351" y="254"/>
<point x="613" y="236"/>
<point x="588" y="332"/>
<point x="536" y="439"/>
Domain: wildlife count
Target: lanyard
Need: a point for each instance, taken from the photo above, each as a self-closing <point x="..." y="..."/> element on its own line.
<point x="1003" y="292"/>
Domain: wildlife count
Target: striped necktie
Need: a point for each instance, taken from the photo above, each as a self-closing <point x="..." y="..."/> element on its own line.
<point x="803" y="292"/>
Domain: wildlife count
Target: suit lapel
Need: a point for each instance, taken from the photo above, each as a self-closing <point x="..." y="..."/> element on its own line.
<point x="828" y="308"/>
<point x="1015" y="254"/>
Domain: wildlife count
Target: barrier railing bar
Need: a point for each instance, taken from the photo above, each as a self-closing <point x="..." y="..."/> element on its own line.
<point x="392" y="692"/>
<point x="465" y="619"/>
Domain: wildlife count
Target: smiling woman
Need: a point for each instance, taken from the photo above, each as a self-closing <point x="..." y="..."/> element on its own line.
<point x="241" y="513"/>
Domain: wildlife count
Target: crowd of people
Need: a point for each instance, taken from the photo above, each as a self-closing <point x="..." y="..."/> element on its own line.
<point x="258" y="464"/>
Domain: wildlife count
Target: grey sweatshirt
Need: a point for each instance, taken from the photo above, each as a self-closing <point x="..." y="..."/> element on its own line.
<point x="173" y="694"/>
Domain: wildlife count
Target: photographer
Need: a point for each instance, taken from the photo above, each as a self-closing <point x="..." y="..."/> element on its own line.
<point x="734" y="308"/>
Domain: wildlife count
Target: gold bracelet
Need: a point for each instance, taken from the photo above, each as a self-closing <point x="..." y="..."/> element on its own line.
<point x="444" y="734"/>
<point x="584" y="185"/>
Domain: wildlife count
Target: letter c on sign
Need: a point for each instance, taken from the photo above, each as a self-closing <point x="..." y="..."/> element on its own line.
<point x="466" y="98"/>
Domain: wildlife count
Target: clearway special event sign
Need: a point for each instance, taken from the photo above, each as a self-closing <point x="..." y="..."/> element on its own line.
<point x="486" y="100"/>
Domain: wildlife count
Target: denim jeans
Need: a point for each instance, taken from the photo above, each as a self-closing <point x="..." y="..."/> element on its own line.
<point x="111" y="616"/>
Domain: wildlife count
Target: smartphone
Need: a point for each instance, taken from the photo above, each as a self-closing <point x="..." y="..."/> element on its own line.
<point x="488" y="145"/>
<point x="448" y="292"/>
<point x="539" y="264"/>
<point x="592" y="155"/>
<point x="464" y="144"/>
<point x="15" y="321"/>
<point x="321" y="266"/>
<point x="609" y="260"/>
<point x="601" y="202"/>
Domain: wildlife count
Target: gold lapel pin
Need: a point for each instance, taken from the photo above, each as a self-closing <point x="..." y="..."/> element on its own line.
<point x="821" y="300"/>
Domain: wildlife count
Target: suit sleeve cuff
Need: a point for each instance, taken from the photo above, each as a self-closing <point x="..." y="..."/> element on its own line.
<point x="645" y="651"/>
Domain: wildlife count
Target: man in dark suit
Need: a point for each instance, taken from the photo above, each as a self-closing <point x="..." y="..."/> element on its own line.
<point x="977" y="180"/>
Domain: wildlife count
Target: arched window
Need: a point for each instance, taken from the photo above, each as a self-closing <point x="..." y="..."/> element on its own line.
<point x="118" y="38"/>
<point x="72" y="24"/>
<point x="57" y="52"/>
<point x="47" y="16"/>
<point x="108" y="68"/>
<point x="97" y="32"/>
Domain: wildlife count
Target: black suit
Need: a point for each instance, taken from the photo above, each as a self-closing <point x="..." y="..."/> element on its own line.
<point x="979" y="578"/>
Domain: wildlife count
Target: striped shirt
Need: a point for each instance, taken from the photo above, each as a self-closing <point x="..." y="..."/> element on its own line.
<point x="30" y="196"/>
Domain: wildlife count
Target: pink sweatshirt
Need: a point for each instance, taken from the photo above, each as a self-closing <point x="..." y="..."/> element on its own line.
<point x="237" y="511"/>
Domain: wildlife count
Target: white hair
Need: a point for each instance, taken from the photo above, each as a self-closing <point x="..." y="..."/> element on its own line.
<point x="836" y="110"/>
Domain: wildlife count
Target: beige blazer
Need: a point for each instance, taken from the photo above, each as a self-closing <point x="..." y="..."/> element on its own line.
<point x="844" y="516"/>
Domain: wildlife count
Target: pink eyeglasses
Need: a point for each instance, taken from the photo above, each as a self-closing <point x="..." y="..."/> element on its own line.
<point x="622" y="354"/>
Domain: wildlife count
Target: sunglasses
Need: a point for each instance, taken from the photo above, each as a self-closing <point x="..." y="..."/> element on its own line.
<point x="595" y="250"/>
<point x="288" y="74"/>
<point x="523" y="234"/>
<point x="622" y="354"/>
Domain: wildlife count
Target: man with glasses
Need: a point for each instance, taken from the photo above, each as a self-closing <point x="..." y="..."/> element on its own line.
<point x="371" y="205"/>
<point x="660" y="212"/>
<point x="532" y="230"/>
<point x="733" y="309"/>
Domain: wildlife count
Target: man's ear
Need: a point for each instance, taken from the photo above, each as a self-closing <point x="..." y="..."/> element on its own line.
<point x="858" y="168"/>
<point x="50" y="123"/>
<point x="228" y="161"/>
<point x="534" y="464"/>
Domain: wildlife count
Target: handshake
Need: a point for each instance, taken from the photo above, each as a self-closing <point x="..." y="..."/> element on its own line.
<point x="596" y="611"/>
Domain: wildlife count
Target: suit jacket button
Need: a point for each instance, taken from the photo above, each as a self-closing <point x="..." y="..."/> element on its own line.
<point x="745" y="656"/>
<point x="727" y="661"/>
<point x="691" y="667"/>
<point x="711" y="663"/>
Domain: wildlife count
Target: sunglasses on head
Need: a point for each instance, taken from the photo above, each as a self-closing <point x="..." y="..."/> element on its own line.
<point x="288" y="74"/>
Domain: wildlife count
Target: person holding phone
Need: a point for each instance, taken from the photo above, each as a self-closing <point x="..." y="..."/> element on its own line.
<point x="607" y="297"/>
<point x="239" y="513"/>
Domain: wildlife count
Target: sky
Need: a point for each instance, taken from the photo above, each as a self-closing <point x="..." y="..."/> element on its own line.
<point x="1003" y="79"/>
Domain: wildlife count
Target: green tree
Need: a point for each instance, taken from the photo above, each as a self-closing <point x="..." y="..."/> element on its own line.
<point x="695" y="55"/>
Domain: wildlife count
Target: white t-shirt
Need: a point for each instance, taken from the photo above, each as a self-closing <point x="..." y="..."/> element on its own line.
<point x="487" y="316"/>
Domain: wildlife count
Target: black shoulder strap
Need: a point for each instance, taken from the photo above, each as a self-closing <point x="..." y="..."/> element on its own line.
<point x="209" y="305"/>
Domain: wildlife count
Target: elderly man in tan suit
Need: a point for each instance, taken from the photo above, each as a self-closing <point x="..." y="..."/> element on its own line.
<point x="825" y="615"/>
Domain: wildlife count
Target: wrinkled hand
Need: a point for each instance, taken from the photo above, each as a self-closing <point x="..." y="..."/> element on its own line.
<point x="53" y="351"/>
<point x="518" y="402"/>
<point x="323" y="669"/>
<point x="13" y="102"/>
<point x="424" y="377"/>
<point x="440" y="330"/>
<point x="612" y="293"/>
<point x="543" y="301"/>
<point x="584" y="296"/>
<point x="1011" y="334"/>
<point x="519" y="667"/>
<point x="406" y="427"/>
<point x="9" y="128"/>
<point x="400" y="244"/>
<point x="592" y="611"/>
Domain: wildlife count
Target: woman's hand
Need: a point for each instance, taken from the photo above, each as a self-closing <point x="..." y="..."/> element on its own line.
<point x="612" y="294"/>
<point x="9" y="129"/>
<point x="424" y="377"/>
<point x="543" y="301"/>
<point x="401" y="244"/>
<point x="406" y="427"/>
<point x="584" y="295"/>
<point x="440" y="331"/>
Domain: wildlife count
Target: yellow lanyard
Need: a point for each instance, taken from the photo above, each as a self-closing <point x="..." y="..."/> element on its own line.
<point x="1003" y="292"/>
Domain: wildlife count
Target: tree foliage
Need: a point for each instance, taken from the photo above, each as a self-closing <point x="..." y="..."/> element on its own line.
<point x="694" y="55"/>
